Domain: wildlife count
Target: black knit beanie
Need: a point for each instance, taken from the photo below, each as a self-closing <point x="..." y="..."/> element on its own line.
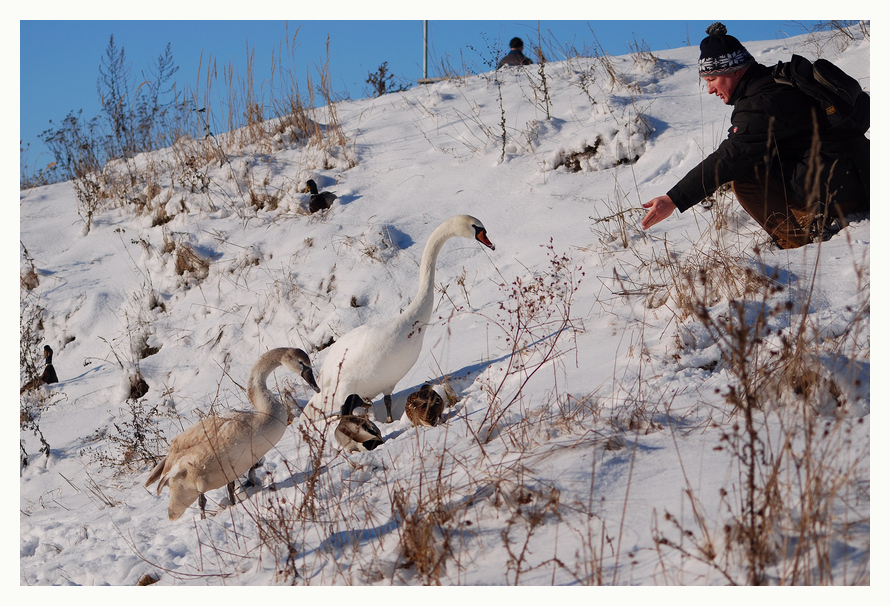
<point x="721" y="53"/>
<point x="516" y="43"/>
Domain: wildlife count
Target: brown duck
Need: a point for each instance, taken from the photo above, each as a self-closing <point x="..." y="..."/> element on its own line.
<point x="425" y="407"/>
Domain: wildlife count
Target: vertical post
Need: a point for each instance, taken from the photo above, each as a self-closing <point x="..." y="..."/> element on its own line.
<point x="424" y="47"/>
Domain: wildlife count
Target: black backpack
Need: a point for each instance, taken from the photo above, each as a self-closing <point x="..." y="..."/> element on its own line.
<point x="846" y="105"/>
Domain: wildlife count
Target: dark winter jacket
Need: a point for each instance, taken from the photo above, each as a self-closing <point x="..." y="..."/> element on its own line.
<point x="772" y="124"/>
<point x="514" y="57"/>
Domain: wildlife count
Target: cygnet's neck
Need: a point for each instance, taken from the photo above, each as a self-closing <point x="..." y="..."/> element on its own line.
<point x="257" y="391"/>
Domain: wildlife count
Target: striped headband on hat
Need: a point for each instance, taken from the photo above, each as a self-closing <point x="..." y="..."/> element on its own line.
<point x="721" y="53"/>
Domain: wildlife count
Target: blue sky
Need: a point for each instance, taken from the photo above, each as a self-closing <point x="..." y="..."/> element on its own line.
<point x="59" y="60"/>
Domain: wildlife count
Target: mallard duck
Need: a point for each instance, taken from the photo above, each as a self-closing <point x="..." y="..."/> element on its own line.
<point x="319" y="201"/>
<point x="371" y="359"/>
<point x="425" y="406"/>
<point x="49" y="373"/>
<point x="356" y="432"/>
<point x="46" y="377"/>
<point x="218" y="449"/>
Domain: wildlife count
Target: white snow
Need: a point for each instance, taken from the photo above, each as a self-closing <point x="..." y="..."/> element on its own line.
<point x="601" y="430"/>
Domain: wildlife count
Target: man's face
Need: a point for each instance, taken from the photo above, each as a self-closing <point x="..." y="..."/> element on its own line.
<point x="723" y="86"/>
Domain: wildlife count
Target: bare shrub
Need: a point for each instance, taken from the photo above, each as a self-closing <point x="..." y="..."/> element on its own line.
<point x="262" y="200"/>
<point x="31" y="176"/>
<point x="334" y="138"/>
<point x="642" y="54"/>
<point x="31" y="404"/>
<point x="30" y="339"/>
<point x="425" y="522"/>
<point x="530" y="509"/>
<point x="315" y="437"/>
<point x="382" y="82"/>
<point x="136" y="441"/>
<point x="713" y="276"/>
<point x="33" y="399"/>
<point x="280" y="529"/>
<point x="606" y="63"/>
<point x="618" y="225"/>
<point x="840" y="33"/>
<point x="28" y="279"/>
<point x="188" y="171"/>
<point x="137" y="116"/>
<point x="76" y="148"/>
<point x="541" y="88"/>
<point x="189" y="263"/>
<point x="503" y="120"/>
<point x="537" y="314"/>
<point x="783" y="521"/>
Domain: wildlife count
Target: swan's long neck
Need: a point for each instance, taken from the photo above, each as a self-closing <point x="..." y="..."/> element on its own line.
<point x="257" y="392"/>
<point x="421" y="308"/>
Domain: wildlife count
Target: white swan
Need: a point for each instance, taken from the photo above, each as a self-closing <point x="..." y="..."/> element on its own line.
<point x="371" y="359"/>
<point x="216" y="450"/>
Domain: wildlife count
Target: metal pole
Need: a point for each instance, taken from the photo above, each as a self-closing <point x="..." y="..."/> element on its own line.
<point x="424" y="48"/>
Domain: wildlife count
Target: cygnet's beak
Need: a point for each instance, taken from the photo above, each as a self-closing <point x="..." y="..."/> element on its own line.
<point x="310" y="379"/>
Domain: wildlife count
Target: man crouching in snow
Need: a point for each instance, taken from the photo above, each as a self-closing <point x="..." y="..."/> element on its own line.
<point x="767" y="154"/>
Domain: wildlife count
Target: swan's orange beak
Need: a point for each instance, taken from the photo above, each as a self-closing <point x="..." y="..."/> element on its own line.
<point x="480" y="235"/>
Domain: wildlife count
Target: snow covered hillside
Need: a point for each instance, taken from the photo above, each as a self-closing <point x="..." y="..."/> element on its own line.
<point x="687" y="405"/>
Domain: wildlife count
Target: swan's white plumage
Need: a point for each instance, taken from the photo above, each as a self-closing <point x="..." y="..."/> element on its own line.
<point x="373" y="358"/>
<point x="218" y="449"/>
